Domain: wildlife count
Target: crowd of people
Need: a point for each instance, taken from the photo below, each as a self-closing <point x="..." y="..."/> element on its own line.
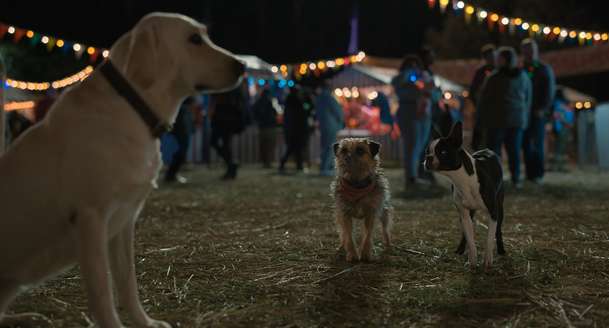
<point x="515" y="100"/>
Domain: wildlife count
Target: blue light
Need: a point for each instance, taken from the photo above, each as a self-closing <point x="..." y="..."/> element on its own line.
<point x="282" y="83"/>
<point x="250" y="81"/>
<point x="412" y="78"/>
<point x="290" y="83"/>
<point x="261" y="82"/>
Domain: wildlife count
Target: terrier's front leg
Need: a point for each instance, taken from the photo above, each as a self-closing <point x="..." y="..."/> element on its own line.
<point x="366" y="247"/>
<point x="346" y="236"/>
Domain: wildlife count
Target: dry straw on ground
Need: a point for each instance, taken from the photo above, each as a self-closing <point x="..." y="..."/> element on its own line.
<point x="260" y="252"/>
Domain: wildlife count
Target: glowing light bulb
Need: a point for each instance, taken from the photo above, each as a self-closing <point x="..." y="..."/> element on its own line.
<point x="483" y="14"/>
<point x="582" y="35"/>
<point x="505" y="21"/>
<point x="597" y="37"/>
<point x="460" y="4"/>
<point x="90" y="50"/>
<point x="106" y="53"/>
<point x="605" y="37"/>
<point x="469" y="10"/>
<point x="312" y="66"/>
<point x="547" y="30"/>
<point x="572" y="34"/>
<point x="274" y="69"/>
<point x="494" y="17"/>
<point x="525" y="26"/>
<point x="588" y="36"/>
<point x="535" y="28"/>
<point x="338" y="92"/>
<point x="556" y="30"/>
<point x="587" y="105"/>
<point x="283" y="68"/>
<point x="564" y="33"/>
<point x="29" y="34"/>
<point x="517" y="21"/>
<point x="45" y="39"/>
<point x="11" y="30"/>
<point x="76" y="47"/>
<point x="321" y="65"/>
<point x="579" y="105"/>
<point x="59" y="43"/>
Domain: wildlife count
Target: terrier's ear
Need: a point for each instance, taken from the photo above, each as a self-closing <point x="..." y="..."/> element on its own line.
<point x="374" y="146"/>
<point x="336" y="146"/>
<point x="435" y="132"/>
<point x="456" y="134"/>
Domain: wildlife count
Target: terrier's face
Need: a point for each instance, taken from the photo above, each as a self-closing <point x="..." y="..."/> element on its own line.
<point x="443" y="153"/>
<point x="356" y="158"/>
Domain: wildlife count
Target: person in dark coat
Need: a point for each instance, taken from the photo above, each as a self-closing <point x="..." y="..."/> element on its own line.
<point x="183" y="128"/>
<point x="413" y="87"/>
<point x="227" y="120"/>
<point x="544" y="89"/>
<point x="505" y="100"/>
<point x="296" y="128"/>
<point x="265" y="112"/>
<point x="489" y="55"/>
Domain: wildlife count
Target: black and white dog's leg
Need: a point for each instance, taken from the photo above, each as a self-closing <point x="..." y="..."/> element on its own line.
<point x="499" y="234"/>
<point x="92" y="243"/>
<point x="490" y="244"/>
<point x="468" y="231"/>
<point x="123" y="273"/>
<point x="461" y="248"/>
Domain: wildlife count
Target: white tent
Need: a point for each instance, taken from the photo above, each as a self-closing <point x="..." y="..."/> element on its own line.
<point x="361" y="75"/>
<point x="258" y="68"/>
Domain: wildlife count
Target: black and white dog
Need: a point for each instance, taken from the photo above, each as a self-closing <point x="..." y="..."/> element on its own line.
<point x="477" y="185"/>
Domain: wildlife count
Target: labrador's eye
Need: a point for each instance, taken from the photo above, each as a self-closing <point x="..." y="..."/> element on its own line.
<point x="196" y="39"/>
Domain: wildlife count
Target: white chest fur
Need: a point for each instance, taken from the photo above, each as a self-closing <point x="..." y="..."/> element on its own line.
<point x="466" y="189"/>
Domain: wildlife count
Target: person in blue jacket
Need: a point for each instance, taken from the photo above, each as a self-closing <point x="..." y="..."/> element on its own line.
<point x="331" y="119"/>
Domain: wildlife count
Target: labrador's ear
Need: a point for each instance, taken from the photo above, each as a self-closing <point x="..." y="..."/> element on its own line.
<point x="336" y="146"/>
<point x="456" y="134"/>
<point x="143" y="54"/>
<point x="374" y="146"/>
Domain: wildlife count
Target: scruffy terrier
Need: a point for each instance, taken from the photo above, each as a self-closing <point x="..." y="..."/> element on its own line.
<point x="477" y="186"/>
<point x="361" y="191"/>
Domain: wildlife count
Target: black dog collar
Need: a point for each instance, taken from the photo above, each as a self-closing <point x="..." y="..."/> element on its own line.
<point x="125" y="90"/>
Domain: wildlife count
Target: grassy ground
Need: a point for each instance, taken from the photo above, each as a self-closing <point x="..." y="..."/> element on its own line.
<point x="261" y="251"/>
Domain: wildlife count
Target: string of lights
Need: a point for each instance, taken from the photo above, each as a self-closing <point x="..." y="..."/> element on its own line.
<point x="513" y="25"/>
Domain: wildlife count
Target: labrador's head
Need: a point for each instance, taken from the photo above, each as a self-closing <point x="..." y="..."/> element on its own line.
<point x="175" y="51"/>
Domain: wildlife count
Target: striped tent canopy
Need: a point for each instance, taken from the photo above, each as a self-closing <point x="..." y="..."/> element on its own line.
<point x="258" y="68"/>
<point x="362" y="75"/>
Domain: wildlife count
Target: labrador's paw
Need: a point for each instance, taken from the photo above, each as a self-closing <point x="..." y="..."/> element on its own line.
<point x="155" y="324"/>
<point x="28" y="319"/>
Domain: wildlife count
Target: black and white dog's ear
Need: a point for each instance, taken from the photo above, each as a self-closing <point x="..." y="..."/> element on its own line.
<point x="435" y="132"/>
<point x="336" y="146"/>
<point x="374" y="146"/>
<point x="456" y="134"/>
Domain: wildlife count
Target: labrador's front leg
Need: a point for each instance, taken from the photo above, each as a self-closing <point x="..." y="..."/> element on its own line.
<point x="92" y="243"/>
<point x="123" y="272"/>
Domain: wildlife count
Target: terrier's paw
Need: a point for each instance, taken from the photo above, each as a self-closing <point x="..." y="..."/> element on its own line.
<point x="351" y="256"/>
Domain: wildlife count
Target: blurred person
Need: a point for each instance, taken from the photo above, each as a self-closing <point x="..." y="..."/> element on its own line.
<point x="412" y="86"/>
<point x="227" y="120"/>
<point x="331" y="120"/>
<point x="504" y="109"/>
<point x="563" y="120"/>
<point x="183" y="128"/>
<point x="16" y="125"/>
<point x="296" y="128"/>
<point x="440" y="118"/>
<point x="544" y="89"/>
<point x="489" y="56"/>
<point x="382" y="102"/>
<point x="265" y="111"/>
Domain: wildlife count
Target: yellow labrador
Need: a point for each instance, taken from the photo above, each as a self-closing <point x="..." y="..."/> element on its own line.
<point x="72" y="187"/>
